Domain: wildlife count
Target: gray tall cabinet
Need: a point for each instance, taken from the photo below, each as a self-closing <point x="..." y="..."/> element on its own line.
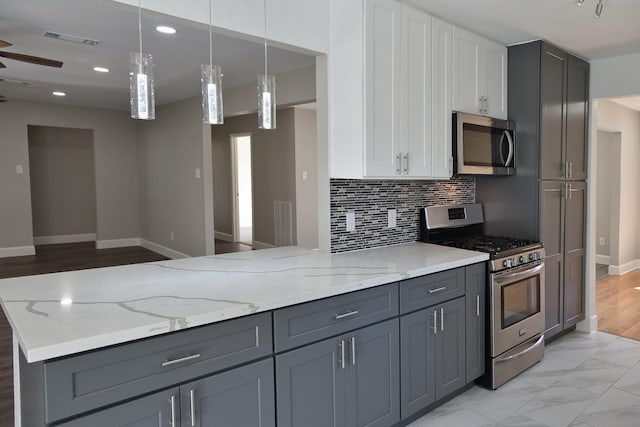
<point x="546" y="200"/>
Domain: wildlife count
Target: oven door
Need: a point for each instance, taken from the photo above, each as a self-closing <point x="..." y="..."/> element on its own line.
<point x="517" y="306"/>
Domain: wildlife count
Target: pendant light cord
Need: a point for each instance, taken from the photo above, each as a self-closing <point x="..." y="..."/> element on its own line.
<point x="265" y="39"/>
<point x="140" y="27"/>
<point x="210" y="39"/>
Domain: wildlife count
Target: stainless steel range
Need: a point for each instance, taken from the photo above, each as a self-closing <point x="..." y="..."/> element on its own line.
<point x="515" y="286"/>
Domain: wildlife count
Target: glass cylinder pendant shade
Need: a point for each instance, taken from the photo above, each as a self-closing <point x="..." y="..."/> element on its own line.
<point x="143" y="105"/>
<point x="266" y="101"/>
<point x="211" y="77"/>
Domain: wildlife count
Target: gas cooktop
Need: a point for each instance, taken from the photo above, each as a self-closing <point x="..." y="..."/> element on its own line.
<point x="494" y="245"/>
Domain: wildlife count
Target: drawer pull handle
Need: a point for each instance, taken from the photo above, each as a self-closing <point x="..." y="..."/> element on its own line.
<point x="180" y="360"/>
<point x="349" y="314"/>
<point x="341" y="359"/>
<point x="353" y="350"/>
<point x="433" y="291"/>
<point x="174" y="421"/>
<point x="192" y="401"/>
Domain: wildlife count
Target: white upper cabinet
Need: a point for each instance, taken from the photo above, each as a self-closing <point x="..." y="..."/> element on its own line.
<point x="479" y="75"/>
<point x="382" y="88"/>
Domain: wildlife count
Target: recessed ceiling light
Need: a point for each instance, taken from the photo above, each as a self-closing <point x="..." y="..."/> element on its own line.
<point x="166" y="30"/>
<point x="101" y="69"/>
<point x="57" y="93"/>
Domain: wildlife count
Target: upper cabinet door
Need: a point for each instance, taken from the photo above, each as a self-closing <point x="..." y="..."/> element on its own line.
<point x="441" y="84"/>
<point x="416" y="93"/>
<point x="466" y="72"/>
<point x="495" y="80"/>
<point x="382" y="89"/>
<point x="577" y="117"/>
<point x="553" y="85"/>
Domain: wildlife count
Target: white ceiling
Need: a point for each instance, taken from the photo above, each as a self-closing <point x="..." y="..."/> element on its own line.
<point x="178" y="57"/>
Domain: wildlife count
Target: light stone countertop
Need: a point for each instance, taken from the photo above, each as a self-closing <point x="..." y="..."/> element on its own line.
<point x="60" y="314"/>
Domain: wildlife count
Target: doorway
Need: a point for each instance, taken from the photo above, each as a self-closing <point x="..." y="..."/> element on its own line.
<point x="242" y="192"/>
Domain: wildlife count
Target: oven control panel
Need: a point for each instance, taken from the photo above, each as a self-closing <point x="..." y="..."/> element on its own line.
<point x="517" y="260"/>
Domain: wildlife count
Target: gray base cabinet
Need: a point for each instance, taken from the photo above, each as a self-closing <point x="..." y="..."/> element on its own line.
<point x="240" y="397"/>
<point x="349" y="380"/>
<point x="475" y="282"/>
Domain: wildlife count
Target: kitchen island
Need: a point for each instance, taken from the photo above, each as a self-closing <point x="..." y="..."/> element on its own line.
<point x="64" y="319"/>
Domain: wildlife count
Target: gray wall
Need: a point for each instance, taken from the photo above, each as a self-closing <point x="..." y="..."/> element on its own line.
<point x="605" y="189"/>
<point x="306" y="160"/>
<point x="115" y="168"/>
<point x="63" y="184"/>
<point x="273" y="154"/>
<point x="171" y="197"/>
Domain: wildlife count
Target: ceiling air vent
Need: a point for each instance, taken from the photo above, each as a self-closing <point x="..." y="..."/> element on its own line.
<point x="70" y="38"/>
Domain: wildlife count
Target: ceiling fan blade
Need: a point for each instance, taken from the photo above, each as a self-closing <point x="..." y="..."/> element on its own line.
<point x="4" y="44"/>
<point x="31" y="59"/>
<point x="2" y="65"/>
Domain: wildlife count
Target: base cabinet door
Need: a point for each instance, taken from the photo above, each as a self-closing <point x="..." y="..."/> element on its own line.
<point x="475" y="281"/>
<point x="156" y="410"/>
<point x="373" y="376"/>
<point x="241" y="397"/>
<point x="450" y="348"/>
<point x="310" y="385"/>
<point x="574" y="253"/>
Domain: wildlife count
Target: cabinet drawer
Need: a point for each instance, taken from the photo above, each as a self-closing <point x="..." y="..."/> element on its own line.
<point x="421" y="292"/>
<point x="88" y="381"/>
<point x="313" y="321"/>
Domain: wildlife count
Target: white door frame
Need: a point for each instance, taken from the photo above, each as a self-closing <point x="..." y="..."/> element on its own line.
<point x="234" y="183"/>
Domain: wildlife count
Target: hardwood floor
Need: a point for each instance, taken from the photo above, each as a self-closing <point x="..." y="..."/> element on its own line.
<point x="49" y="259"/>
<point x="223" y="247"/>
<point x="618" y="305"/>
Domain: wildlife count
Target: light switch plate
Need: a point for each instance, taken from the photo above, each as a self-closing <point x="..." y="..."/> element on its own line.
<point x="391" y="218"/>
<point x="19" y="169"/>
<point x="197" y="172"/>
<point x="351" y="221"/>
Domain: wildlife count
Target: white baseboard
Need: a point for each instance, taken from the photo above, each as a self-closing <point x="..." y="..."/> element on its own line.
<point x="65" y="238"/>
<point x="603" y="259"/>
<point x="589" y="325"/>
<point x="261" y="245"/>
<point x="162" y="250"/>
<point x="17" y="251"/>
<point x="619" y="270"/>
<point x="223" y="236"/>
<point x="118" y="243"/>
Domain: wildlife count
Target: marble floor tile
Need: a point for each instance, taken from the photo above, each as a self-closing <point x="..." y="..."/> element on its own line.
<point x="594" y="375"/>
<point x="622" y="351"/>
<point x="630" y="382"/>
<point x="521" y="421"/>
<point x="615" y="408"/>
<point x="453" y="416"/>
<point x="558" y="406"/>
<point x="577" y="348"/>
<point x="549" y="370"/>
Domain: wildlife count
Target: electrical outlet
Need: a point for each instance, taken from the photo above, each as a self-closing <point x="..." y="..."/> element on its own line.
<point x="351" y="221"/>
<point x="391" y="218"/>
<point x="19" y="169"/>
<point x="602" y="241"/>
<point x="304" y="175"/>
<point x="197" y="172"/>
<point x="172" y="236"/>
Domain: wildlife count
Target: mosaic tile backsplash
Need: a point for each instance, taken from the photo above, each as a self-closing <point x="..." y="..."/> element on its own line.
<point x="371" y="199"/>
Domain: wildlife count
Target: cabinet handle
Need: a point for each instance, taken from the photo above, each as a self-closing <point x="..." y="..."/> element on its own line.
<point x="352" y="340"/>
<point x="406" y="164"/>
<point x="478" y="305"/>
<point x="192" y="406"/>
<point x="341" y="359"/>
<point x="435" y="322"/>
<point x="442" y="319"/>
<point x="349" y="314"/>
<point x="567" y="190"/>
<point x="180" y="360"/>
<point x="570" y="170"/>
<point x="433" y="291"/>
<point x="174" y="422"/>
<point x="398" y="164"/>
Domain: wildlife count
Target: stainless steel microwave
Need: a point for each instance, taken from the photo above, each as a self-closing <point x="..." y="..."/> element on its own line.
<point x="483" y="145"/>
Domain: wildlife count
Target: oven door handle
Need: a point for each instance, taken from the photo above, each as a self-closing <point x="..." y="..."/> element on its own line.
<point x="535" y="345"/>
<point x="515" y="276"/>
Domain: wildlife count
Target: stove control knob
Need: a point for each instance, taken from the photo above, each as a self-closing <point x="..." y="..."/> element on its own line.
<point x="536" y="256"/>
<point x="508" y="263"/>
<point x="532" y="256"/>
<point x="522" y="259"/>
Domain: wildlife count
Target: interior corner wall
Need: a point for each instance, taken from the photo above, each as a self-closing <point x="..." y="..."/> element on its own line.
<point x="613" y="117"/>
<point x="63" y="183"/>
<point x="171" y="195"/>
<point x="273" y="158"/>
<point x="306" y="176"/>
<point x="604" y="192"/>
<point x="116" y="166"/>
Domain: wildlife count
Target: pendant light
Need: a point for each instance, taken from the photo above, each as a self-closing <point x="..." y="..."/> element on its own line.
<point x="211" y="78"/>
<point x="266" y="89"/>
<point x="141" y="80"/>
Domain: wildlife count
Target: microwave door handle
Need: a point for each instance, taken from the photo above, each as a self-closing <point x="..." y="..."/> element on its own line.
<point x="504" y="162"/>
<point x="510" y="139"/>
